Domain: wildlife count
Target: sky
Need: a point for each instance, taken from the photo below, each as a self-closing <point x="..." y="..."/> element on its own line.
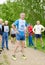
<point x="2" y="1"/>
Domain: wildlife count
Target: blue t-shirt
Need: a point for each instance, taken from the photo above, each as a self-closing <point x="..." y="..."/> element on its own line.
<point x="20" y="25"/>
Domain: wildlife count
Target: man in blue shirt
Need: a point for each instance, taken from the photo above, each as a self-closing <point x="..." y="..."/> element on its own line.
<point x="19" y="26"/>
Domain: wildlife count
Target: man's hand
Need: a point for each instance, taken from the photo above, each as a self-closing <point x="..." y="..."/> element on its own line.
<point x="17" y="32"/>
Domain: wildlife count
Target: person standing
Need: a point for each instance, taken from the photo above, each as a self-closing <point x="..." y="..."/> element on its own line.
<point x="13" y="35"/>
<point x="5" y="35"/>
<point x="38" y="29"/>
<point x="30" y="32"/>
<point x="19" y="26"/>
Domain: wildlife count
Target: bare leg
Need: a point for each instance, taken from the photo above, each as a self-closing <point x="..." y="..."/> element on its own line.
<point x="42" y="42"/>
<point x="35" y="41"/>
<point x="11" y="40"/>
<point x="23" y="45"/>
<point x="14" y="40"/>
<point x="17" y="44"/>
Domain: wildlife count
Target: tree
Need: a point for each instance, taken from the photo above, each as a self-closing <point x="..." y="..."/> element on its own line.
<point x="34" y="9"/>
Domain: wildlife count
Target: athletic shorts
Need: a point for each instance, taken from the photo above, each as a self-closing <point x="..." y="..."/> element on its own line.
<point x="20" y="37"/>
<point x="38" y="35"/>
<point x="13" y="35"/>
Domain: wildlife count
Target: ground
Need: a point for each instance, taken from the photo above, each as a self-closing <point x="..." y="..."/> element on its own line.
<point x="34" y="57"/>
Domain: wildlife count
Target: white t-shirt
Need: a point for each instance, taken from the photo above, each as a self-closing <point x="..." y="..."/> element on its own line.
<point x="38" y="29"/>
<point x="12" y="31"/>
<point x="6" y="28"/>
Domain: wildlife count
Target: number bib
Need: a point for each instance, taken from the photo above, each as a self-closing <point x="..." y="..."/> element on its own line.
<point x="6" y="28"/>
<point x="21" y="25"/>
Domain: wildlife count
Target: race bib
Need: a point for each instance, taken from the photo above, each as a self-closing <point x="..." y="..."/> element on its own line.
<point x="6" y="28"/>
<point x="21" y="25"/>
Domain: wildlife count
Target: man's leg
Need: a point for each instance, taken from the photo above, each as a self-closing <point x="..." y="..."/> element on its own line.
<point x="23" y="45"/>
<point x="42" y="42"/>
<point x="29" y="40"/>
<point x="16" y="46"/>
<point x="6" y="38"/>
<point x="32" y="41"/>
<point x="35" y="42"/>
<point x="3" y="38"/>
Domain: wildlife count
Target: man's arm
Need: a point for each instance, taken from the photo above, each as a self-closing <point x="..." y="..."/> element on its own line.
<point x="14" y="26"/>
<point x="34" y="29"/>
<point x="43" y="28"/>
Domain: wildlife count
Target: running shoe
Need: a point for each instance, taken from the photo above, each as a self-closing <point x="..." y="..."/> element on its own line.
<point x="24" y="57"/>
<point x="13" y="57"/>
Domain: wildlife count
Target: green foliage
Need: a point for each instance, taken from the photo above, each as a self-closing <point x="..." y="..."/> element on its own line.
<point x="34" y="10"/>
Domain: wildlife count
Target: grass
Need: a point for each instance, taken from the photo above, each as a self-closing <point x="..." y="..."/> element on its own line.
<point x="38" y="44"/>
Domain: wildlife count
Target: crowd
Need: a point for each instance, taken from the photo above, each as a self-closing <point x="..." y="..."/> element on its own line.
<point x="19" y="31"/>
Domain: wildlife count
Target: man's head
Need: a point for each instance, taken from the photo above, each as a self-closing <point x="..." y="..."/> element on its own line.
<point x="1" y="21"/>
<point x="6" y="22"/>
<point x="38" y="22"/>
<point x="22" y="15"/>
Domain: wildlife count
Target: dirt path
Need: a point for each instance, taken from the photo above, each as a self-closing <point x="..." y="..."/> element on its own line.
<point x="34" y="57"/>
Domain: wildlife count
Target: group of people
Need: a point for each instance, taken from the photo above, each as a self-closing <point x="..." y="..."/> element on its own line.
<point x="19" y="30"/>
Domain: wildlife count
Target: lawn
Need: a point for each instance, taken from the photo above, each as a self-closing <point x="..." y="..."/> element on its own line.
<point x="38" y="44"/>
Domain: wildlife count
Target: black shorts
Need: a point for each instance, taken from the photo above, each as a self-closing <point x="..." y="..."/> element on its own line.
<point x="38" y="35"/>
<point x="13" y="35"/>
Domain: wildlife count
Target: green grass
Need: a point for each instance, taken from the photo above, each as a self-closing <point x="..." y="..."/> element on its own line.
<point x="38" y="44"/>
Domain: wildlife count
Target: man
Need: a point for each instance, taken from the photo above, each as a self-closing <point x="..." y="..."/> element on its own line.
<point x="5" y="35"/>
<point x="19" y="26"/>
<point x="30" y="31"/>
<point x="38" y="29"/>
